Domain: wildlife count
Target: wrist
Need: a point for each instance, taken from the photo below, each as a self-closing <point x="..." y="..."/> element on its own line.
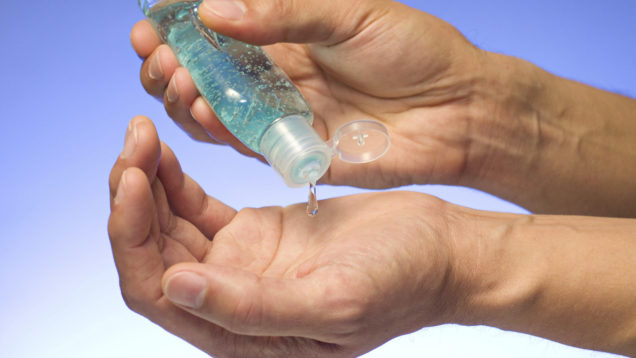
<point x="565" y="278"/>
<point x="503" y="135"/>
<point x="491" y="281"/>
<point x="550" y="144"/>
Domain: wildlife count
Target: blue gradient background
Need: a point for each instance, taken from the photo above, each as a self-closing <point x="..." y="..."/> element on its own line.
<point x="70" y="85"/>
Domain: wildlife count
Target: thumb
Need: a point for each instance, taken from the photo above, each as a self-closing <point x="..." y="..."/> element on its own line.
<point x="243" y="302"/>
<point x="263" y="22"/>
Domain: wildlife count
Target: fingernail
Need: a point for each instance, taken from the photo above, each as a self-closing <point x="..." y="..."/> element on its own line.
<point x="186" y="289"/>
<point x="154" y="68"/>
<point x="121" y="188"/>
<point x="192" y="114"/>
<point x="229" y="9"/>
<point x="130" y="142"/>
<point x="172" y="92"/>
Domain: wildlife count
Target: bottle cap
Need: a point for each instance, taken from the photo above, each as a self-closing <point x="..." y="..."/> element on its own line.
<point x="300" y="156"/>
<point x="360" y="141"/>
<point x="294" y="149"/>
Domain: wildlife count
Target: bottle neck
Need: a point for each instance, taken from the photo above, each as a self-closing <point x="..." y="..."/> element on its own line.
<point x="293" y="148"/>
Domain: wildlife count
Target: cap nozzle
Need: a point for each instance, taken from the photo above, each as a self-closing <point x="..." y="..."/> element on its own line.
<point x="295" y="151"/>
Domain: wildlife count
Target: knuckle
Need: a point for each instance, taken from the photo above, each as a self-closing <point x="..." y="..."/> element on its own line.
<point x="175" y="111"/>
<point x="284" y="9"/>
<point x="137" y="301"/>
<point x="247" y="214"/>
<point x="133" y="302"/>
<point x="113" y="183"/>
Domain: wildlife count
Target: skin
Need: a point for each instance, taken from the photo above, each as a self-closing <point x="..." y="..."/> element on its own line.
<point x="278" y="282"/>
<point x="271" y="282"/>
<point x="421" y="95"/>
<point x="456" y="114"/>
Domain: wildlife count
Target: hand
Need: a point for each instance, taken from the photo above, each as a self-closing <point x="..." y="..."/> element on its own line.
<point x="272" y="282"/>
<point x="351" y="60"/>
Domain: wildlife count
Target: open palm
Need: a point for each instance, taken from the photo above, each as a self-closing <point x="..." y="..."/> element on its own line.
<point x="278" y="282"/>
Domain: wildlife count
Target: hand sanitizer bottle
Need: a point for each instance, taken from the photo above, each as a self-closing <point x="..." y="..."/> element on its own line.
<point x="251" y="95"/>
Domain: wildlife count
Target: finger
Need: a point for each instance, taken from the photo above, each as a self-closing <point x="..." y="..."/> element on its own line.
<point x="302" y="21"/>
<point x="162" y="78"/>
<point x="141" y="150"/>
<point x="218" y="342"/>
<point x="140" y="264"/>
<point x="178" y="98"/>
<point x="144" y="38"/>
<point x="187" y="198"/>
<point x="133" y="236"/>
<point x="180" y="240"/>
<point x="245" y="303"/>
<point x="205" y="116"/>
<point x="157" y="70"/>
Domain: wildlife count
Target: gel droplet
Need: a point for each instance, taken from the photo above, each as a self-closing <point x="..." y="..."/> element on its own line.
<point x="312" y="202"/>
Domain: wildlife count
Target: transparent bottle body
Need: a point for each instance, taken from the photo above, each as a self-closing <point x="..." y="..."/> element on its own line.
<point x="245" y="88"/>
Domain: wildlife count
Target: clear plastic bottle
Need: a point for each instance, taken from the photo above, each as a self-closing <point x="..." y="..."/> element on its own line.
<point x="250" y="94"/>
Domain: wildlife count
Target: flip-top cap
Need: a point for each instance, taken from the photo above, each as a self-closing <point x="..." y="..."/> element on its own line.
<point x="300" y="156"/>
<point x="360" y="141"/>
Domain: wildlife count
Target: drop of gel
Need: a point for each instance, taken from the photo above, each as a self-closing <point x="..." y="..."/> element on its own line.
<point x="312" y="202"/>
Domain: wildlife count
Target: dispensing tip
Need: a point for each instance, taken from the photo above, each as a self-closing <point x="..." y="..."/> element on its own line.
<point x="295" y="151"/>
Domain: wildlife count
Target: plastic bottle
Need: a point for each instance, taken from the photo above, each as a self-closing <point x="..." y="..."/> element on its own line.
<point x="251" y="95"/>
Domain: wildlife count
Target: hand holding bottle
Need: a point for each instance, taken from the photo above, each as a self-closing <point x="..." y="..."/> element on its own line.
<point x="351" y="60"/>
<point x="456" y="114"/>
